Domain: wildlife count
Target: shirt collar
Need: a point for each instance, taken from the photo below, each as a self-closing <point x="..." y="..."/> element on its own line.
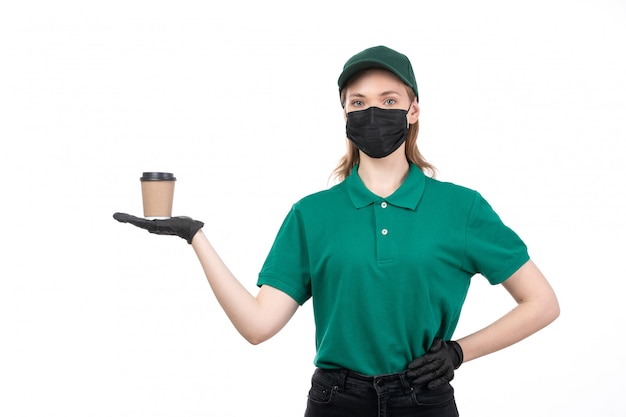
<point x="407" y="195"/>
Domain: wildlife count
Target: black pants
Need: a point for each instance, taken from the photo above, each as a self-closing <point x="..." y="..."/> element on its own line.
<point x="343" y="393"/>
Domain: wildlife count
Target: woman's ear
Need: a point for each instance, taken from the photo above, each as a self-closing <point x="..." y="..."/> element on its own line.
<point x="414" y="112"/>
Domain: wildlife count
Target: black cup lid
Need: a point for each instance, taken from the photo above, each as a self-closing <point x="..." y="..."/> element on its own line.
<point x="157" y="176"/>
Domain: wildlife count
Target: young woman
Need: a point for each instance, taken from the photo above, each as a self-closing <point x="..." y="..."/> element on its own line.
<point x="386" y="256"/>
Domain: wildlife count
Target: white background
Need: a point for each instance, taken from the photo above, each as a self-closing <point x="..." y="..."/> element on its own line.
<point x="523" y="101"/>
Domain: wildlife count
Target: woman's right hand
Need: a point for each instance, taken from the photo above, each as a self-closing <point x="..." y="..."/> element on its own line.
<point x="182" y="226"/>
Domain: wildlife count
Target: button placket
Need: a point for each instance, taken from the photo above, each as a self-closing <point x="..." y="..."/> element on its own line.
<point x="383" y="223"/>
<point x="384" y="231"/>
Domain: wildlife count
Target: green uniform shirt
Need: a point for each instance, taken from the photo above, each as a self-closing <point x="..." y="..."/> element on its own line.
<point x="388" y="275"/>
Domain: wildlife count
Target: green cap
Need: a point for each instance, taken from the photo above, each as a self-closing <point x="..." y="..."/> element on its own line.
<point x="379" y="57"/>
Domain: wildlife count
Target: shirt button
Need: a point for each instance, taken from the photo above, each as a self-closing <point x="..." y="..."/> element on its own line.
<point x="384" y="232"/>
<point x="383" y="204"/>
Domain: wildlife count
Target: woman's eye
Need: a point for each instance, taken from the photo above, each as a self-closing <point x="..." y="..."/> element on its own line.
<point x="357" y="103"/>
<point x="390" y="101"/>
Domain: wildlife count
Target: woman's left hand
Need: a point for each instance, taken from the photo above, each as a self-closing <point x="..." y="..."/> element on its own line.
<point x="437" y="366"/>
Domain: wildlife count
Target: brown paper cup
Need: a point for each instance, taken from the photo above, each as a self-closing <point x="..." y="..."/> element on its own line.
<point x="157" y="191"/>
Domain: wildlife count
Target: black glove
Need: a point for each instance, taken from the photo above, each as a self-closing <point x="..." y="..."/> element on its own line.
<point x="436" y="367"/>
<point x="184" y="227"/>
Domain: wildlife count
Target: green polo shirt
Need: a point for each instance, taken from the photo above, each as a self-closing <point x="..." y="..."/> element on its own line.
<point x="388" y="275"/>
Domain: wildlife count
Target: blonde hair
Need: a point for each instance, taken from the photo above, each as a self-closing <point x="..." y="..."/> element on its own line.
<point x="351" y="158"/>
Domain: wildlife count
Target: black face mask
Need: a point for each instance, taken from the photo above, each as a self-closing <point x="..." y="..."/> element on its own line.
<point x="377" y="132"/>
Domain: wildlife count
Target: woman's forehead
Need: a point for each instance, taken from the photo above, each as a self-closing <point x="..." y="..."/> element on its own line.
<point x="375" y="80"/>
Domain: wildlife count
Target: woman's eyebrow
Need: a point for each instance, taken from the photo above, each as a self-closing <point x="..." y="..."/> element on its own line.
<point x="384" y="93"/>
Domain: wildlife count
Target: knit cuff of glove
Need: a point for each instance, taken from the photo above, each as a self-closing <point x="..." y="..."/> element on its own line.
<point x="459" y="353"/>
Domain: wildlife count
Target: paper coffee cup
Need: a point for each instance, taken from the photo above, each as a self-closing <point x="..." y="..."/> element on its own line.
<point x="157" y="191"/>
